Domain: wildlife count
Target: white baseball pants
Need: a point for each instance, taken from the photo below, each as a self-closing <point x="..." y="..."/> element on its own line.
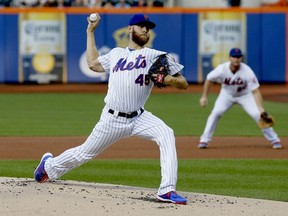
<point x="111" y="128"/>
<point x="223" y="103"/>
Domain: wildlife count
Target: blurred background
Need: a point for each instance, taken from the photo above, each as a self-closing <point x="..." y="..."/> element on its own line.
<point x="44" y="41"/>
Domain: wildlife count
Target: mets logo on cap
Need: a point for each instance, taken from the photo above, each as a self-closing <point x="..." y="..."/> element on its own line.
<point x="236" y="52"/>
<point x="143" y="20"/>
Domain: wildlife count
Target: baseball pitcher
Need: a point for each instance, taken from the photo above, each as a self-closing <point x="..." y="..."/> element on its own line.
<point x="130" y="83"/>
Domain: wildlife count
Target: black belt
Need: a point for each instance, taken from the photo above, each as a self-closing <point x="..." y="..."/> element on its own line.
<point x="127" y="115"/>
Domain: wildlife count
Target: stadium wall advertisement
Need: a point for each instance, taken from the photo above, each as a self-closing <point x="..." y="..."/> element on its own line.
<point x="48" y="45"/>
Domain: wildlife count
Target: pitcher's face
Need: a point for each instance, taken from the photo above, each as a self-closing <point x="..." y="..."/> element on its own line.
<point x="140" y="35"/>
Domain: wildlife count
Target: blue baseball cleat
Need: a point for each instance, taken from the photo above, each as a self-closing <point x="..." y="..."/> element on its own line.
<point x="172" y="197"/>
<point x="40" y="174"/>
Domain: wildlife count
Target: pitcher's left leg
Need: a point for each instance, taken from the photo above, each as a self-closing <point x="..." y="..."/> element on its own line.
<point x="151" y="127"/>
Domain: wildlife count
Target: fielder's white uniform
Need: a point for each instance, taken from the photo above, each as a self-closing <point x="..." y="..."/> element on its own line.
<point x="128" y="91"/>
<point x="235" y="89"/>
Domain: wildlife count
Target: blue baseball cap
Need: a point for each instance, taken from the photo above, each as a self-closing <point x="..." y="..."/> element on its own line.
<point x="142" y="19"/>
<point x="236" y="52"/>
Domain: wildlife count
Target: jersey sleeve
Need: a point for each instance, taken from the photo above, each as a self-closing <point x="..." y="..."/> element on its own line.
<point x="105" y="61"/>
<point x="174" y="66"/>
<point x="215" y="75"/>
<point x="253" y="81"/>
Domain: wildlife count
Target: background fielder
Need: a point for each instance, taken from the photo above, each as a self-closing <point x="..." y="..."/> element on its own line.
<point x="239" y="85"/>
<point x="123" y="114"/>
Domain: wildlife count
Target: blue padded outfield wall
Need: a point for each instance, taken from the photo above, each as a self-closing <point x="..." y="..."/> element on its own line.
<point x="46" y="46"/>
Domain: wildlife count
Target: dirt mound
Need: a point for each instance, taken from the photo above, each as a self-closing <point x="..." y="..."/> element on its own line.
<point x="20" y="196"/>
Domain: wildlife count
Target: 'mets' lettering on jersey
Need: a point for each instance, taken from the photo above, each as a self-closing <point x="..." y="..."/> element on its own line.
<point x="122" y="64"/>
<point x="238" y="81"/>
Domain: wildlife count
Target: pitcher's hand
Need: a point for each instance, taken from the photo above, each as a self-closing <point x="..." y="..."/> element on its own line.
<point x="93" y="25"/>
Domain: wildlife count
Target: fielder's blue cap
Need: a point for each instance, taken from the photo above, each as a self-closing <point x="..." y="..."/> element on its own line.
<point x="142" y="19"/>
<point x="236" y="52"/>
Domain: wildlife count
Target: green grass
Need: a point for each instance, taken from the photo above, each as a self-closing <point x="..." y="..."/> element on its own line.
<point x="49" y="114"/>
<point x="263" y="179"/>
<point x="65" y="114"/>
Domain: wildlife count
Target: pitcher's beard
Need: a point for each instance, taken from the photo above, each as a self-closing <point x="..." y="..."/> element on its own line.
<point x="140" y="40"/>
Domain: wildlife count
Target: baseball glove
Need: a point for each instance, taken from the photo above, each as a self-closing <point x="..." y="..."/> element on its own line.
<point x="266" y="120"/>
<point x="159" y="70"/>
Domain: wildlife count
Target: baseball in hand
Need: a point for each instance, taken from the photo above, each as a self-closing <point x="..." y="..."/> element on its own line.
<point x="93" y="17"/>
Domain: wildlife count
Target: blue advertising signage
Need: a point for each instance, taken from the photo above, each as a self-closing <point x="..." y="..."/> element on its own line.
<point x="198" y="40"/>
<point x="113" y="32"/>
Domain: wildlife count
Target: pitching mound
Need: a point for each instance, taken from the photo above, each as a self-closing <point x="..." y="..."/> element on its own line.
<point x="20" y="196"/>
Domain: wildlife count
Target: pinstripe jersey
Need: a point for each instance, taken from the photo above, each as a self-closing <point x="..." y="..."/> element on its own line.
<point x="129" y="86"/>
<point x="128" y="91"/>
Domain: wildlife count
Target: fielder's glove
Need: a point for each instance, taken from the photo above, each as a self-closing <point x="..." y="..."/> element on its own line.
<point x="159" y="70"/>
<point x="266" y="120"/>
